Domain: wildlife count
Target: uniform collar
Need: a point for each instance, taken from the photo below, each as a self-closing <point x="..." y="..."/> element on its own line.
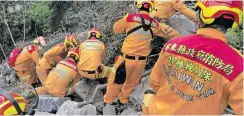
<point x="144" y="12"/>
<point x="213" y="33"/>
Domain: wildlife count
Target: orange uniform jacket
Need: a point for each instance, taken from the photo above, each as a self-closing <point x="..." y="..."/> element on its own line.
<point x="92" y="53"/>
<point x="197" y="74"/>
<point x="164" y="9"/>
<point x="138" y="43"/>
<point x="50" y="58"/>
<point x="25" y="64"/>
<point x="61" y="79"/>
<point x="54" y="55"/>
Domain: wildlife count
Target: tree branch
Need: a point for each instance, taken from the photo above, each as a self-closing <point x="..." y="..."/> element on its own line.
<point x="6" y="23"/>
<point x="24" y="23"/>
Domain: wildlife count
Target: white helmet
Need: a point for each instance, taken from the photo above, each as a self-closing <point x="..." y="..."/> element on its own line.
<point x="41" y="41"/>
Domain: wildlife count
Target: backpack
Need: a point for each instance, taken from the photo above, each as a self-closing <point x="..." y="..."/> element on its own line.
<point x="13" y="56"/>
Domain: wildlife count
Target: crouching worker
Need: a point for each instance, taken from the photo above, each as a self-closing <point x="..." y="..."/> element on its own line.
<point x="53" y="56"/>
<point x="23" y="60"/>
<point x="63" y="77"/>
<point x="92" y="53"/>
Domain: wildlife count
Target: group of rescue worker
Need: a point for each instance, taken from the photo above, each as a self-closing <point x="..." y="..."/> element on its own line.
<point x="195" y="74"/>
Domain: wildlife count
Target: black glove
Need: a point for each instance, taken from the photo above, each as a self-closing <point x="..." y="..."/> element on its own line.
<point x="99" y="69"/>
<point x="149" y="92"/>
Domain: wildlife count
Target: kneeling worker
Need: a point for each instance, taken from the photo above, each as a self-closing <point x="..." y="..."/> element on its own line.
<point x="92" y="53"/>
<point x="63" y="77"/>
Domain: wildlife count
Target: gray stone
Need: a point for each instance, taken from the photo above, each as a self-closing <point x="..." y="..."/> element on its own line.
<point x="67" y="107"/>
<point x="42" y="113"/>
<point x="99" y="106"/>
<point x="138" y="92"/>
<point x="72" y="108"/>
<point x="129" y="111"/>
<point x="182" y="24"/>
<point x="85" y="89"/>
<point x="109" y="110"/>
<point x="86" y="110"/>
<point x="48" y="103"/>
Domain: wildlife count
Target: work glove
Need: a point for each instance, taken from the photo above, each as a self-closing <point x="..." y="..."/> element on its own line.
<point x="99" y="69"/>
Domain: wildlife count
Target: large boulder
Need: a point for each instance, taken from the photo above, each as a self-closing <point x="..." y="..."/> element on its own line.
<point x="48" y="103"/>
<point x="85" y="89"/>
<point x="73" y="108"/>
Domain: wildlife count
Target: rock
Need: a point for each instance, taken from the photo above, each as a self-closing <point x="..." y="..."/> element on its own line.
<point x="42" y="113"/>
<point x="99" y="106"/>
<point x="129" y="111"/>
<point x="85" y="88"/>
<point x="182" y="24"/>
<point x="86" y="110"/>
<point x="48" y="103"/>
<point x="67" y="107"/>
<point x="72" y="108"/>
<point x="138" y="93"/>
<point x="109" y="110"/>
<point x="138" y="113"/>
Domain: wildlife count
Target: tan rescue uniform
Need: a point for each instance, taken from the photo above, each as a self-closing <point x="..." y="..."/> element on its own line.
<point x="198" y="87"/>
<point x="25" y="64"/>
<point x="92" y="53"/>
<point x="166" y="9"/>
<point x="136" y="44"/>
<point x="61" y="79"/>
<point x="52" y="56"/>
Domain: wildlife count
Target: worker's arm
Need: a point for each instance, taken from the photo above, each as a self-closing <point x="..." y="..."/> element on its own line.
<point x="156" y="74"/>
<point x="53" y="52"/>
<point x="120" y="26"/>
<point x="236" y="95"/>
<point x="35" y="56"/>
<point x="182" y="8"/>
<point x="104" y="52"/>
<point x="165" y="31"/>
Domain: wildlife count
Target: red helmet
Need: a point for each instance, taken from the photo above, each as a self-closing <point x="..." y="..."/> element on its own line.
<point x="94" y="32"/>
<point x="151" y="3"/>
<point x="212" y="9"/>
<point x="75" y="51"/>
<point x="7" y="107"/>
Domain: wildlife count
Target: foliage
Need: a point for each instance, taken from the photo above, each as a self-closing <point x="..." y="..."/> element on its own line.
<point x="235" y="37"/>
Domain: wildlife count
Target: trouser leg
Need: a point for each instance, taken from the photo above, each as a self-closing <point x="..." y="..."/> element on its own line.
<point x="135" y="69"/>
<point x="113" y="89"/>
<point x="42" y="74"/>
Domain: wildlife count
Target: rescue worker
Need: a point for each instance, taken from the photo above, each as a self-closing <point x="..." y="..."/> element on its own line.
<point x="200" y="73"/>
<point x="23" y="60"/>
<point x="92" y="53"/>
<point x="53" y="56"/>
<point x="164" y="9"/>
<point x="13" y="104"/>
<point x="63" y="77"/>
<point x="127" y="70"/>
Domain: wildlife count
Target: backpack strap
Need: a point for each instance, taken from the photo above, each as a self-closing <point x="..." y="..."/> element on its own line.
<point x="143" y="25"/>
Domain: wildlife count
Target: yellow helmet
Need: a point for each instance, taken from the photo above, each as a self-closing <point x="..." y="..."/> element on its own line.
<point x="94" y="32"/>
<point x="12" y="103"/>
<point x="151" y="4"/>
<point x="70" y="41"/>
<point x="75" y="51"/>
<point x="213" y="9"/>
